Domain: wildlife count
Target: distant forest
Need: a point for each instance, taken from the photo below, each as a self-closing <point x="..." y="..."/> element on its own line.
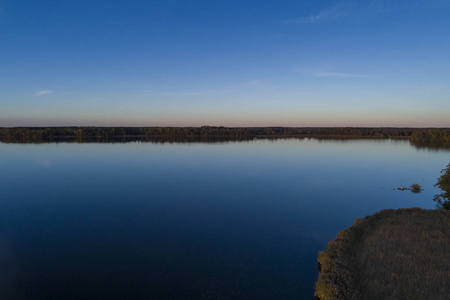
<point x="417" y="136"/>
<point x="431" y="138"/>
<point x="204" y="133"/>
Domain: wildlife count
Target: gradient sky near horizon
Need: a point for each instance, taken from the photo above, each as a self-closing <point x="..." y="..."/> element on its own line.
<point x="225" y="62"/>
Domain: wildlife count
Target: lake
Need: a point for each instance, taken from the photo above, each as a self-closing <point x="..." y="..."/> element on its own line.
<point x="233" y="220"/>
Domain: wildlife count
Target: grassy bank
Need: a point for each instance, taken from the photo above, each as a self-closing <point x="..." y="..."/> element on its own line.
<point x="393" y="254"/>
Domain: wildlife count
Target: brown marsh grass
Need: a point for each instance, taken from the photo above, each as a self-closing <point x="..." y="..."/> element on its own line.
<point x="393" y="254"/>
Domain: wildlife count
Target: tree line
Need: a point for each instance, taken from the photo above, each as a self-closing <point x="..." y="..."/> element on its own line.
<point x="204" y="133"/>
<point x="431" y="138"/>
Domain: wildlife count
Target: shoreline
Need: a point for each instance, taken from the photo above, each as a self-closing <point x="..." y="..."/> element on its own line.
<point x="204" y="133"/>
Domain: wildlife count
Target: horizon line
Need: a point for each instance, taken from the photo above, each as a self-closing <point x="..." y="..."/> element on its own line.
<point x="272" y="126"/>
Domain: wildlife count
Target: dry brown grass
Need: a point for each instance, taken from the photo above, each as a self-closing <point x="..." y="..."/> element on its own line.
<point x="393" y="254"/>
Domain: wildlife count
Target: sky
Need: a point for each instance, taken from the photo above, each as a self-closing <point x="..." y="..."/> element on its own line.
<point x="225" y="63"/>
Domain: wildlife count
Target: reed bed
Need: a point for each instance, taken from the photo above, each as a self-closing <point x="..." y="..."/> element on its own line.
<point x="393" y="254"/>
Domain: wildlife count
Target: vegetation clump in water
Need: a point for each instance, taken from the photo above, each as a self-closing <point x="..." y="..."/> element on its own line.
<point x="393" y="254"/>
<point x="415" y="188"/>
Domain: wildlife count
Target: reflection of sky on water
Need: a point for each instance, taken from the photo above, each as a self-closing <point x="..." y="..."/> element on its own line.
<point x="243" y="220"/>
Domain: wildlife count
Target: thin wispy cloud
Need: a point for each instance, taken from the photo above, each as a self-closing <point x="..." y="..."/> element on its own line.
<point x="329" y="71"/>
<point x="328" y="14"/>
<point x="353" y="11"/>
<point x="365" y="10"/>
<point x="338" y="75"/>
<point x="41" y="93"/>
<point x="157" y="93"/>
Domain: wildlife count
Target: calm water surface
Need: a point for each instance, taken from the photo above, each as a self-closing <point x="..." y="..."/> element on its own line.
<point x="238" y="220"/>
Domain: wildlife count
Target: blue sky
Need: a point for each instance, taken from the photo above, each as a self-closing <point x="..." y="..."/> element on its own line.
<point x="225" y="62"/>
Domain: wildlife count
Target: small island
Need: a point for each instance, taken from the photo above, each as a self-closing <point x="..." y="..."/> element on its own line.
<point x="393" y="254"/>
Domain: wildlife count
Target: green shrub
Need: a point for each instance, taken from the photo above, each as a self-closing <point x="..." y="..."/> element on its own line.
<point x="443" y="199"/>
